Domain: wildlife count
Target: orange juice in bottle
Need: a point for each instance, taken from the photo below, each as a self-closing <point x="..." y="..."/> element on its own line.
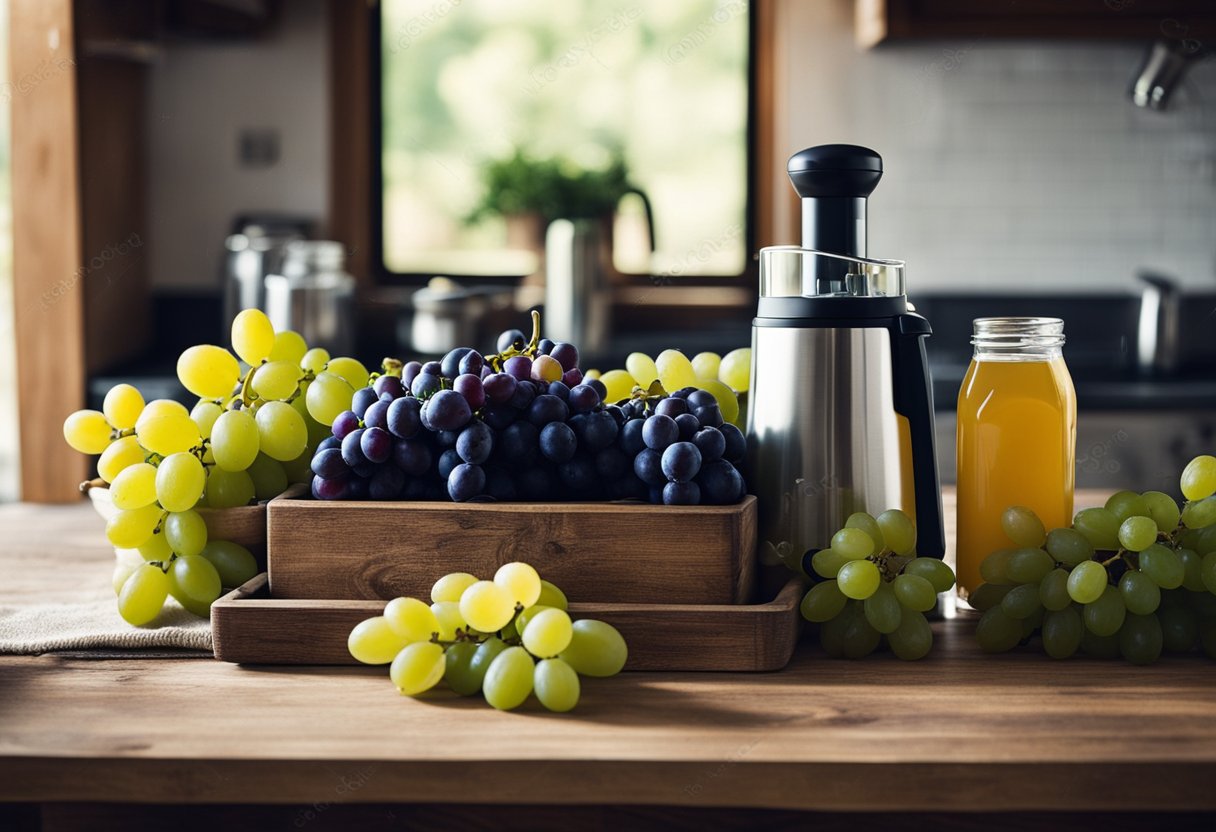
<point x="1017" y="430"/>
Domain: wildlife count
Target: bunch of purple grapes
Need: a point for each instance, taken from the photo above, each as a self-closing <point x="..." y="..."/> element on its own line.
<point x="523" y="424"/>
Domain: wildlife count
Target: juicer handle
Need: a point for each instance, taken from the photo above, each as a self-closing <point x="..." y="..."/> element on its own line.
<point x="914" y="400"/>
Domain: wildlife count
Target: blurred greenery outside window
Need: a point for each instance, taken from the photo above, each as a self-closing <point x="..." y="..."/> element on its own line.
<point x="8" y="367"/>
<point x="570" y="88"/>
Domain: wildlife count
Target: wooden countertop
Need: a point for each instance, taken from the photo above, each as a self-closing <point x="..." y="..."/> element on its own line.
<point x="957" y="732"/>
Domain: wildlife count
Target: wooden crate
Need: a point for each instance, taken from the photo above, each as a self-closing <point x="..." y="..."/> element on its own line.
<point x="612" y="552"/>
<point x="250" y="626"/>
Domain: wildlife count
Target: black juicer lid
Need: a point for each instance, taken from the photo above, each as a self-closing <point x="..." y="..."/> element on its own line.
<point x="835" y="170"/>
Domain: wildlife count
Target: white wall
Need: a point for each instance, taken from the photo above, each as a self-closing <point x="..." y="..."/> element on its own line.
<point x="1015" y="164"/>
<point x="201" y="95"/>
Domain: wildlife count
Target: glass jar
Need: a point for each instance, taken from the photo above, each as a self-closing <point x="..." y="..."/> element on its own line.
<point x="1017" y="433"/>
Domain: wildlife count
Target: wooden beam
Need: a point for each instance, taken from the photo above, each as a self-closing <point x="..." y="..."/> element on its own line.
<point x="48" y="273"/>
<point x="350" y="119"/>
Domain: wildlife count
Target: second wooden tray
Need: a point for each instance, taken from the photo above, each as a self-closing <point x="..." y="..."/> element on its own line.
<point x="250" y="627"/>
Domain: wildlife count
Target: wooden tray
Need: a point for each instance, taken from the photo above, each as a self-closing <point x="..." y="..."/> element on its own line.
<point x="250" y="627"/>
<point x="613" y="552"/>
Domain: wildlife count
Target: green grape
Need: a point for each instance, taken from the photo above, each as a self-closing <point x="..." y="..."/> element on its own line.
<point x="234" y="563"/>
<point x="315" y="360"/>
<point x="1100" y="647"/>
<point x="1208" y="571"/>
<point x="520" y="581"/>
<point x="996" y="632"/>
<point x="675" y="370"/>
<point x="282" y="432"/>
<point x="131" y="529"/>
<point x="87" y="431"/>
<point x="1179" y="629"/>
<point x="1201" y="514"/>
<point x="180" y="479"/>
<point x="596" y="649"/>
<point x="1062" y="632"/>
<point x="831" y="635"/>
<point x="1029" y="566"/>
<point x="1199" y="478"/>
<point x="1163" y="509"/>
<point x="418" y="667"/>
<point x="143" y="595"/>
<point x="619" y="385"/>
<point x="374" y="641"/>
<point x="827" y="562"/>
<point x="119" y="456"/>
<point x="235" y="440"/>
<point x="458" y="668"/>
<point x="864" y="522"/>
<point x="882" y="609"/>
<point x="252" y="336"/>
<point x="349" y="369"/>
<point x="551" y="596"/>
<point x="1192" y="570"/>
<point x="852" y="544"/>
<point x="268" y="475"/>
<point x="1100" y="527"/>
<point x="229" y="489"/>
<point x="735" y="370"/>
<point x="1087" y="581"/>
<point x="1032" y="622"/>
<point x="642" y="368"/>
<point x="508" y="681"/>
<point x="1022" y="601"/>
<point x="1053" y="590"/>
<point x="548" y="633"/>
<point x="486" y="606"/>
<point x="913" y="638"/>
<point x="1204" y="540"/>
<point x="1162" y="565"/>
<point x="1105" y="616"/>
<point x="411" y="619"/>
<point x="289" y="345"/>
<point x="899" y="533"/>
<point x="1137" y="533"/>
<point x="704" y="364"/>
<point x="914" y="592"/>
<point x="987" y="596"/>
<point x="451" y="587"/>
<point x="822" y="602"/>
<point x="1141" y="595"/>
<point x="935" y="571"/>
<point x="196" y="578"/>
<point x="483" y="657"/>
<point x="994" y="569"/>
<point x="122" y="406"/>
<point x="858" y="638"/>
<point x="123" y="569"/>
<point x="134" y="487"/>
<point x="208" y="371"/>
<point x="204" y="415"/>
<point x="1207" y="638"/>
<point x="524" y="616"/>
<point x="556" y="685"/>
<point x="1023" y="527"/>
<point x="1125" y="504"/>
<point x="1140" y="640"/>
<point x="300" y="468"/>
<point x="1069" y="546"/>
<point x="858" y="579"/>
<point x="728" y="401"/>
<point x="447" y="613"/>
<point x="277" y="381"/>
<point x="156" y="547"/>
<point x="185" y="532"/>
<point x="327" y="396"/>
<point x="1203" y="603"/>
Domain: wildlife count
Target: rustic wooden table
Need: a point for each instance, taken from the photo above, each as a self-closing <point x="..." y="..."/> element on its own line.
<point x="337" y="748"/>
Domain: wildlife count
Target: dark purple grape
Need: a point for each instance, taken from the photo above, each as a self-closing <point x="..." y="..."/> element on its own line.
<point x="433" y="368"/>
<point x="465" y="482"/>
<point x="559" y="389"/>
<point x="535" y="484"/>
<point x="578" y="475"/>
<point x="611" y="464"/>
<point x="357" y="487"/>
<point x="501" y="486"/>
<point x="446" y="438"/>
<point x="628" y="487"/>
<point x="377" y="416"/>
<point x="700" y="398"/>
<point x="344" y="423"/>
<point x="471" y="363"/>
<point x="683" y="392"/>
<point x="329" y="464"/>
<point x="499" y="387"/>
<point x="525" y="392"/>
<point x="711" y="443"/>
<point x="511" y="338"/>
<point x="544" y="346"/>
<point x="329" y="442"/>
<point x="655" y="494"/>
<point x="598" y="431"/>
<point x="388" y="386"/>
<point x="404" y="417"/>
<point x="598" y="386"/>
<point x="425" y="384"/>
<point x="545" y="409"/>
<point x="387" y="483"/>
<point x="583" y="398"/>
<point x="424" y="418"/>
<point x="499" y="417"/>
<point x="364" y="398"/>
<point x="709" y="415"/>
<point x="475" y="443"/>
<point x="616" y="413"/>
<point x="351" y="452"/>
<point x="486" y="372"/>
<point x="566" y="355"/>
<point x="671" y="407"/>
<point x="520" y="442"/>
<point x="415" y="489"/>
<point x="688" y="425"/>
<point x="519" y="366"/>
<point x="470" y="386"/>
<point x="409" y="372"/>
<point x="448" y="460"/>
<point x="337" y="488"/>
<point x="558" y="442"/>
<point x="449" y="367"/>
<point x="659" y="431"/>
<point x="364" y="469"/>
<point x="681" y="461"/>
<point x="448" y="410"/>
<point x="412" y="456"/>
<point x="681" y="494"/>
<point x="648" y="465"/>
<point x="631" y="437"/>
<point x="376" y="444"/>
<point x="721" y="484"/>
<point x="572" y="377"/>
<point x="736" y="444"/>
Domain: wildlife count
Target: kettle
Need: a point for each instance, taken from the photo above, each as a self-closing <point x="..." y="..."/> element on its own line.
<point x="841" y="412"/>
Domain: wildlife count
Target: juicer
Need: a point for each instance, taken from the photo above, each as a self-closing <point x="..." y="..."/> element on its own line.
<point x="841" y="412"/>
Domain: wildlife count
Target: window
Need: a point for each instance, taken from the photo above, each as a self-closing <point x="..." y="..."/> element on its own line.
<point x="570" y="89"/>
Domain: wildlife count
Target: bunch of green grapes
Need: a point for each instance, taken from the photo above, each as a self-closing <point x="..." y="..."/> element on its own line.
<point x="874" y="587"/>
<point x="507" y="639"/>
<point x="250" y="434"/>
<point x="1133" y="578"/>
<point x="727" y="378"/>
